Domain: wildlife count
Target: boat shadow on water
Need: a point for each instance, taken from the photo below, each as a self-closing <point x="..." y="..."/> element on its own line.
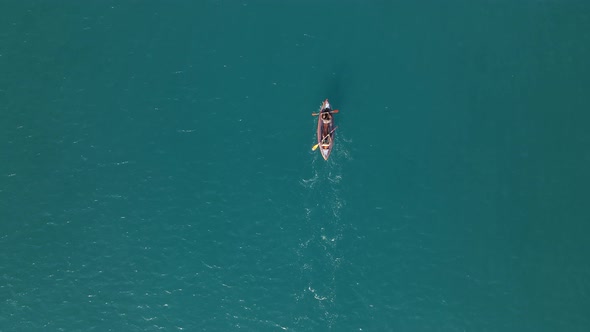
<point x="334" y="83"/>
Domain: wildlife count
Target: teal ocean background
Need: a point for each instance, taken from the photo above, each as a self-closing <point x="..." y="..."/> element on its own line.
<point x="156" y="171"/>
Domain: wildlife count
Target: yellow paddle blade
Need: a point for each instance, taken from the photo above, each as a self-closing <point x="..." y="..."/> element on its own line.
<point x="315" y="147"/>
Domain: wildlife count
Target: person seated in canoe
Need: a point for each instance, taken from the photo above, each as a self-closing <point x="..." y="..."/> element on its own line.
<point x="327" y="121"/>
<point x="326" y="141"/>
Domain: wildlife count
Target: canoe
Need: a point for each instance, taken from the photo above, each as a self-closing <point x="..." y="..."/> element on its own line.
<point x="326" y="129"/>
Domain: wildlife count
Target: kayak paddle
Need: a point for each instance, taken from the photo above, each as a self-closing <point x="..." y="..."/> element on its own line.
<point x="331" y="112"/>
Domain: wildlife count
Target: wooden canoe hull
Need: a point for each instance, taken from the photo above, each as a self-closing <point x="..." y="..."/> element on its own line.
<point x="325" y="132"/>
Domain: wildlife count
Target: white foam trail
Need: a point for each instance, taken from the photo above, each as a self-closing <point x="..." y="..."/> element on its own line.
<point x="318" y="251"/>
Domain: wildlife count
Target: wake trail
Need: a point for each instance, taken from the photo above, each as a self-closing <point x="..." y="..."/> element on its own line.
<point x="318" y="251"/>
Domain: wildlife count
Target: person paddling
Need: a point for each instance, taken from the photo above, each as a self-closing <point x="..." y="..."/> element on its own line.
<point x="326" y="120"/>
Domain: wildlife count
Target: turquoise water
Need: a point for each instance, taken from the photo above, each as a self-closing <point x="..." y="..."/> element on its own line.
<point x="157" y="173"/>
